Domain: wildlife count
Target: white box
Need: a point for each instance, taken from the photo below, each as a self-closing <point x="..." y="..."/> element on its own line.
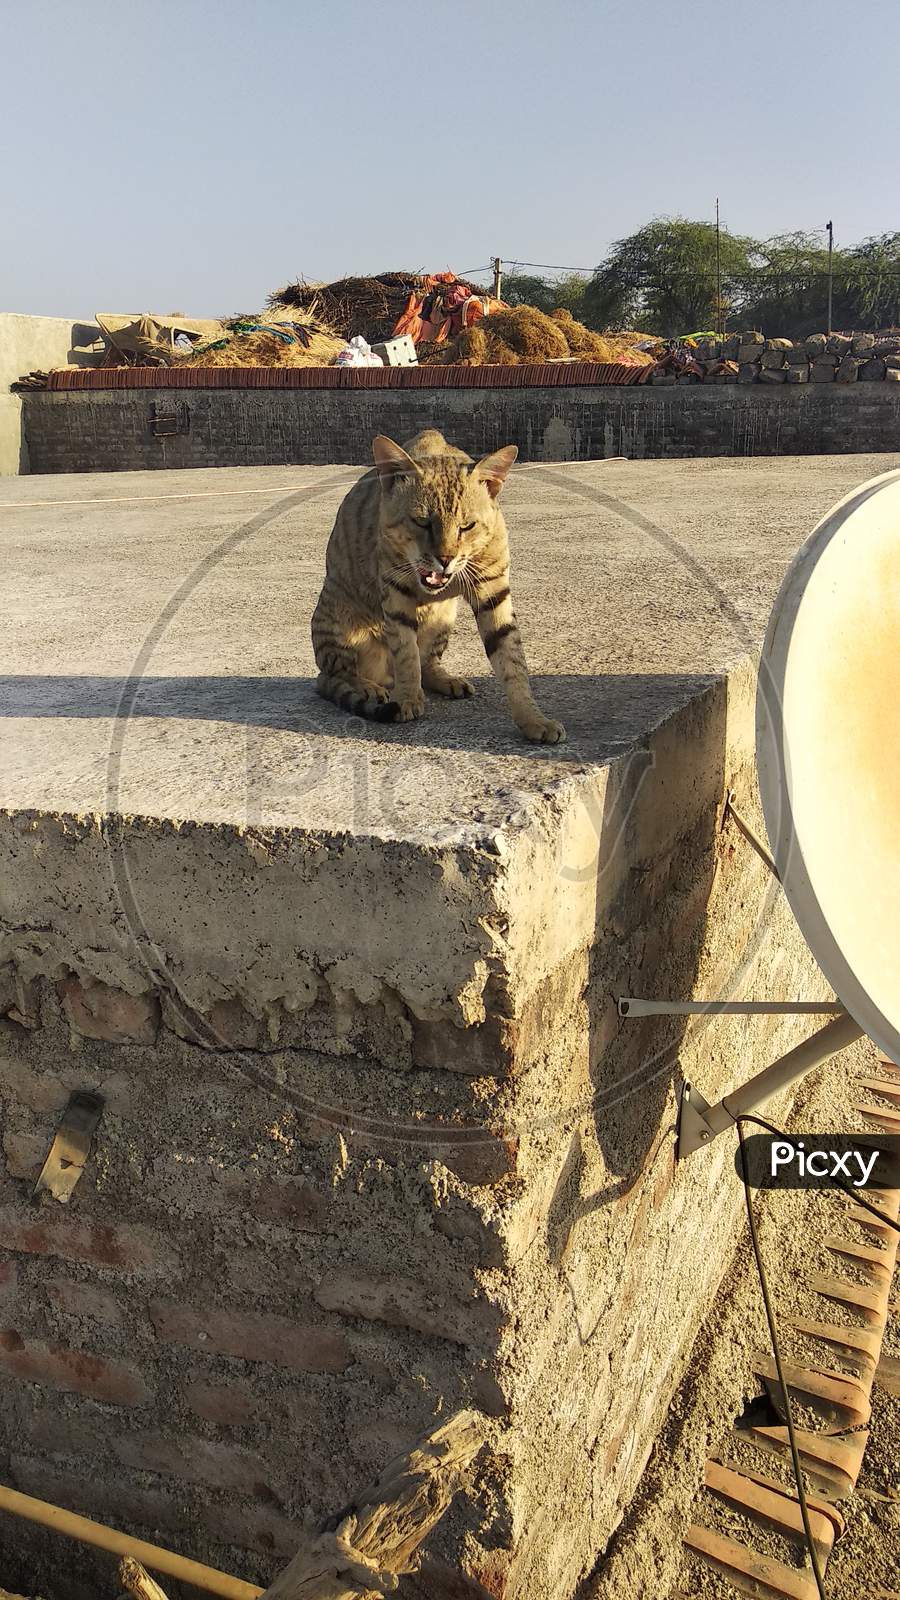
<point x="397" y="352"/>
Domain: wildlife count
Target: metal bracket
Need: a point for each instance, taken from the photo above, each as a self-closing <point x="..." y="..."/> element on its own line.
<point x="753" y="839"/>
<point x="70" y="1148"/>
<point x="699" y="1122"/>
<point x="693" y="1129"/>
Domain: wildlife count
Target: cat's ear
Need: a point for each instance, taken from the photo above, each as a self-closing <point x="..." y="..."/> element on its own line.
<point x="391" y="461"/>
<point x="492" y="470"/>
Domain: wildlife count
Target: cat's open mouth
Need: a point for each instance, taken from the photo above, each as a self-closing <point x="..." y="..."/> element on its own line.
<point x="433" y="580"/>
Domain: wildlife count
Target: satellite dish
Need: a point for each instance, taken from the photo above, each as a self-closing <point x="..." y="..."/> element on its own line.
<point x="828" y="750"/>
<point x="828" y="761"/>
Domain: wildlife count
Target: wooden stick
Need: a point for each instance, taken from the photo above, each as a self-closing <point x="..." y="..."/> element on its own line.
<point x="73" y="1526"/>
<point x="138" y="1582"/>
<point x="368" y="1545"/>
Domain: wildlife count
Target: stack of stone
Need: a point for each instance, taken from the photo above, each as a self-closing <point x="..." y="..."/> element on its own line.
<point x="845" y="358"/>
<point x="750" y="357"/>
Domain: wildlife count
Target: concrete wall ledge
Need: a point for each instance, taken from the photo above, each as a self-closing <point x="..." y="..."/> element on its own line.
<point x="126" y="430"/>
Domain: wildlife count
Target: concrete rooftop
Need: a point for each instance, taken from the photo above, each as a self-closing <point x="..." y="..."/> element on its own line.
<point x="156" y="657"/>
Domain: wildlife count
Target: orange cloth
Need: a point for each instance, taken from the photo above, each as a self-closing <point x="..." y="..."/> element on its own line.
<point x="451" y="307"/>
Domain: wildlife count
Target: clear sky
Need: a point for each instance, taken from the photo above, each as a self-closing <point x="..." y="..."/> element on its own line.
<point x="193" y="156"/>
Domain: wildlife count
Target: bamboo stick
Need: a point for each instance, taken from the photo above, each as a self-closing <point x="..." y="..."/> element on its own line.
<point x="72" y="1526"/>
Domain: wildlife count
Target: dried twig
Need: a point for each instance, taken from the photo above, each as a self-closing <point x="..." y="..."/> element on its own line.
<point x="367" y="1547"/>
<point x="137" y="1581"/>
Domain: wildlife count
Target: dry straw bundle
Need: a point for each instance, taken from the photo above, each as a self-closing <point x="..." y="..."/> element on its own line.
<point x="524" y="334"/>
<point x="314" y="343"/>
<point x="366" y="306"/>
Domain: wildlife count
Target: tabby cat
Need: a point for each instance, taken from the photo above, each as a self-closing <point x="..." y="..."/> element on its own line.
<point x="415" y="534"/>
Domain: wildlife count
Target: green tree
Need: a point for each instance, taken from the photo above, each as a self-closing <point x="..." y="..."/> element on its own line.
<point x="548" y="294"/>
<point x="871" y="281"/>
<point x="663" y="278"/>
<point x="785" y="290"/>
<point x="521" y="289"/>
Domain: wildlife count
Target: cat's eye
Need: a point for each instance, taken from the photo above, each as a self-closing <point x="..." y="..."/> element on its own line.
<point x="425" y="524"/>
<point x="468" y="527"/>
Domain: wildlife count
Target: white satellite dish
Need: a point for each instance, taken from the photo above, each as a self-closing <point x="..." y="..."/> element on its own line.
<point x="828" y="750"/>
<point x="828" y="757"/>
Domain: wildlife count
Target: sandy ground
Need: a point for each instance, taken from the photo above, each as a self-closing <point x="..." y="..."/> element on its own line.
<point x="646" y="1559"/>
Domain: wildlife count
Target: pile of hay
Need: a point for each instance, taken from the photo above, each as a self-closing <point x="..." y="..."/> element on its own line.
<point x="366" y="306"/>
<point x="314" y="343"/>
<point x="524" y="334"/>
<point x="583" y="342"/>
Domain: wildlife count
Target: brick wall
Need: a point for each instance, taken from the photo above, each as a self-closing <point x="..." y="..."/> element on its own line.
<point x="252" y="1302"/>
<point x="208" y="1338"/>
<point x="113" y="431"/>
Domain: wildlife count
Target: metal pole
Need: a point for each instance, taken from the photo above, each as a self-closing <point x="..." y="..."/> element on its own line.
<point x="743" y="825"/>
<point x="497" y="277"/>
<point x="719" y="328"/>
<point x="631" y="1006"/>
<point x="699" y="1122"/>
<point x="830" y="227"/>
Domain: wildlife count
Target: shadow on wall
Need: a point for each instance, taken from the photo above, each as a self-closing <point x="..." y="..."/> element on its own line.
<point x="657" y="865"/>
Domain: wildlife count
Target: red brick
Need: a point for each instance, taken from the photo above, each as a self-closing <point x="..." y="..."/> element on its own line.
<point x="90" y="1494"/>
<point x="478" y="1156"/>
<point x="83" y="1300"/>
<point x="233" y="1026"/>
<point x="486" y="1050"/>
<point x="20" y="1001"/>
<point x="272" y="1272"/>
<point x="73" y="1371"/>
<point x="196" y="1460"/>
<point x="64" y="1428"/>
<point x="9" y="1280"/>
<point x="251" y="1528"/>
<point x="97" y="1011"/>
<point x="291" y="1201"/>
<point x="132" y="1249"/>
<point x="216" y="1402"/>
<point x="402" y="1303"/>
<point x="378" y="1443"/>
<point x="251" y="1338"/>
<point x="227" y="1406"/>
<point x="25" y="1153"/>
<point x="480" y="1159"/>
<point x="39" y="1091"/>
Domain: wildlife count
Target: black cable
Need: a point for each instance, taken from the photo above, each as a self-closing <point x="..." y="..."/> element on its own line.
<point x="847" y="1188"/>
<point x="776" y="1350"/>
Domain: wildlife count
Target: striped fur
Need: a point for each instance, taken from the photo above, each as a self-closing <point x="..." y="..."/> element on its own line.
<point x="380" y="628"/>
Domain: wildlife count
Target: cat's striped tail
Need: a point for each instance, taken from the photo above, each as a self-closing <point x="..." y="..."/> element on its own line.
<point x="357" y="698"/>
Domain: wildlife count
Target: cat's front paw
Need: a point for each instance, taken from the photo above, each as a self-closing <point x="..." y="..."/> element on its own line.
<point x="411" y="709"/>
<point x="543" y="730"/>
<point x="456" y="688"/>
